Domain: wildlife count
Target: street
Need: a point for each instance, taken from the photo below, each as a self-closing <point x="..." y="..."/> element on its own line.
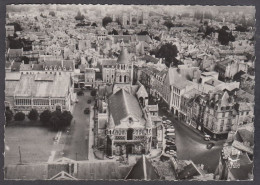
<point x="76" y="146"/>
<point x="192" y="146"/>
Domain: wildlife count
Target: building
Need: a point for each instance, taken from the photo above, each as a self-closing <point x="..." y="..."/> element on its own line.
<point x="38" y="91"/>
<point x="9" y="30"/>
<point x="236" y="159"/>
<point x="90" y="77"/>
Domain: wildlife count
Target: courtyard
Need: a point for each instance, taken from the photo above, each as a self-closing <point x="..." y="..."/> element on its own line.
<point x="36" y="144"/>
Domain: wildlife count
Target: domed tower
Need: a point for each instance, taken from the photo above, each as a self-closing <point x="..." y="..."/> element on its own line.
<point x="124" y="68"/>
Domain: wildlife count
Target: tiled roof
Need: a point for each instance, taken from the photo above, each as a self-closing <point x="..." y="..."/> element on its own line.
<point x="143" y="170"/>
<point x="122" y="104"/>
<point x="40" y="86"/>
<point x="123" y="57"/>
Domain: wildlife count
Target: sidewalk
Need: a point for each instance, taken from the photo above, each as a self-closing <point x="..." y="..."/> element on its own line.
<point x="91" y="155"/>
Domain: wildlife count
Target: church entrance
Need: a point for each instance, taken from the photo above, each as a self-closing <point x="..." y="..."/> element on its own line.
<point x="129" y="149"/>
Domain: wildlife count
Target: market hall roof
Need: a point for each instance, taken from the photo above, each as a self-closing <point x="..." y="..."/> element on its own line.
<point x="42" y="85"/>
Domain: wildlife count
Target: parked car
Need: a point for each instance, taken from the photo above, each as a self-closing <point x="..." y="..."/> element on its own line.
<point x="80" y="93"/>
<point x="89" y="101"/>
<point x="86" y="111"/>
<point x="207" y="137"/>
<point x="170" y="137"/>
<point x="210" y="145"/>
<point x="170" y="143"/>
<point x="171" y="147"/>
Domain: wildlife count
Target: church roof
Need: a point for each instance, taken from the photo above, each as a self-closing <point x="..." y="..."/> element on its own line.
<point x="123" y="57"/>
<point x="143" y="170"/>
<point x="123" y="104"/>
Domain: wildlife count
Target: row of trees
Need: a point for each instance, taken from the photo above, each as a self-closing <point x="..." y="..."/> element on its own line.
<point x="57" y="119"/>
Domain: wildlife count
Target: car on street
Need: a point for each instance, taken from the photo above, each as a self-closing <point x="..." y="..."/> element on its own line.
<point x="171" y="147"/>
<point x="80" y="93"/>
<point x="169" y="143"/>
<point x="86" y="110"/>
<point x="207" y="137"/>
<point x="170" y="137"/>
<point x="210" y="145"/>
<point x="89" y="101"/>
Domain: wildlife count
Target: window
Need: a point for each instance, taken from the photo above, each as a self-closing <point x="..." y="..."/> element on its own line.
<point x="223" y="114"/>
<point x="247" y="113"/>
<point x="221" y="126"/>
<point x="130" y="120"/>
<point x="130" y="132"/>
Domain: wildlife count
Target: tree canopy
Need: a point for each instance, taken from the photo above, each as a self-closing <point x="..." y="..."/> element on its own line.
<point x="106" y="20"/>
<point x="224" y="37"/>
<point x="19" y="116"/>
<point x="33" y="115"/>
<point x="8" y="115"/>
<point x="169" y="52"/>
<point x="45" y="117"/>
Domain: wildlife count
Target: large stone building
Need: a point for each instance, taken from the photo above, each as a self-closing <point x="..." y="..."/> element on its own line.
<point x="24" y="92"/>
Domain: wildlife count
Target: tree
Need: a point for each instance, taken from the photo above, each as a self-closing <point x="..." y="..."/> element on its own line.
<point x="168" y="24"/>
<point x="66" y="118"/>
<point x="114" y="32"/>
<point x="143" y="33"/>
<point x="55" y="120"/>
<point x="225" y="37"/>
<point x="93" y="92"/>
<point x="19" y="116"/>
<point x="106" y="20"/>
<point x="33" y="115"/>
<point x="79" y="17"/>
<point x="8" y="115"/>
<point x="52" y="13"/>
<point x="169" y="52"/>
<point x="45" y="117"/>
<point x="241" y="28"/>
<point x="94" y="24"/>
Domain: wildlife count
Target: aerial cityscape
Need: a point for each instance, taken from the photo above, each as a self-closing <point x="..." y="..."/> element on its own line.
<point x="129" y="92"/>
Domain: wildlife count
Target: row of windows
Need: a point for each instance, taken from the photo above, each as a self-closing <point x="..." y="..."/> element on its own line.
<point x="38" y="102"/>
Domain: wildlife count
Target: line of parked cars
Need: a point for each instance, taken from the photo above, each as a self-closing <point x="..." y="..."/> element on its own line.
<point x="170" y="148"/>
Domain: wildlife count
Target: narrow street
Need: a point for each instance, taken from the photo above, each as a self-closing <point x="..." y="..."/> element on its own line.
<point x="76" y="146"/>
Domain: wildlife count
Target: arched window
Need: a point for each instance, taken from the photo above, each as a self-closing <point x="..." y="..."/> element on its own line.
<point x="125" y="78"/>
<point x="130" y="132"/>
<point x="120" y="78"/>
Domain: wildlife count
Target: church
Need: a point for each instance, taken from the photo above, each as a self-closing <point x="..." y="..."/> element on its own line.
<point x="123" y="117"/>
